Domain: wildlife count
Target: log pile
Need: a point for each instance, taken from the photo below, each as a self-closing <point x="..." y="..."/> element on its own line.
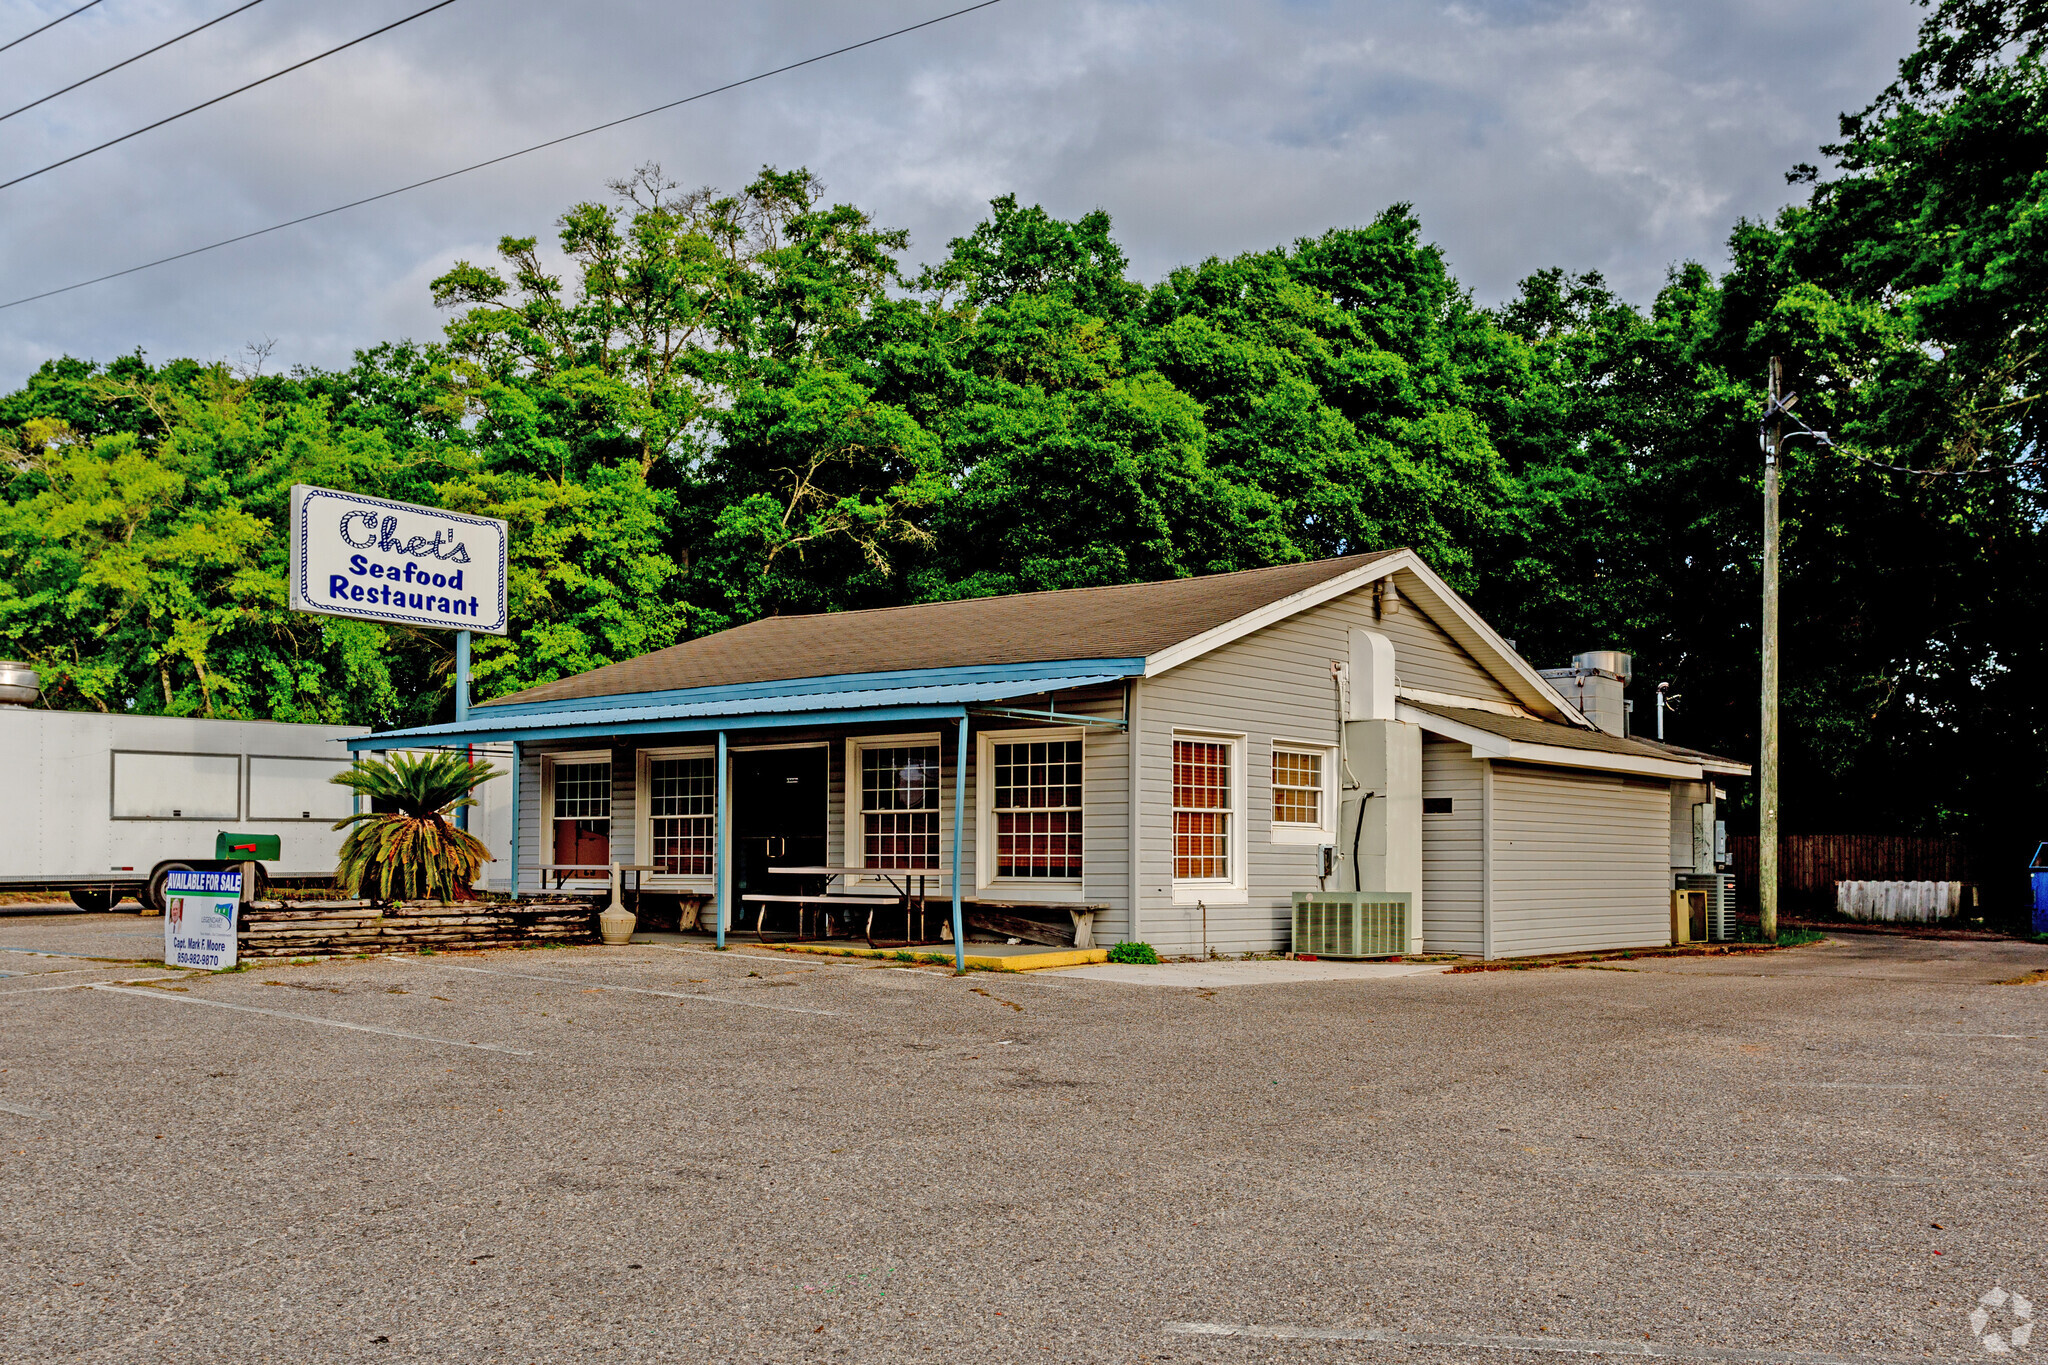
<point x="332" y="928"/>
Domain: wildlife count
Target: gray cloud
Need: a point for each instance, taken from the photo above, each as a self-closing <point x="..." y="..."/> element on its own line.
<point x="1613" y="136"/>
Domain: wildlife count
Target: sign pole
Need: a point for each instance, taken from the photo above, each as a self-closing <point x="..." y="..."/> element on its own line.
<point x="462" y="708"/>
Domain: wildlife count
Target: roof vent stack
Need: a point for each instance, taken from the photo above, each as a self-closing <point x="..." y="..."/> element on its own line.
<point x="1594" y="683"/>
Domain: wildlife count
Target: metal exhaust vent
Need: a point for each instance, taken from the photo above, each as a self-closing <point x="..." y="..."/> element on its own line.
<point x="1352" y="923"/>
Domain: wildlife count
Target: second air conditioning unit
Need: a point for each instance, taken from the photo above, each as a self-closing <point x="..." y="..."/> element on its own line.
<point x="1720" y="889"/>
<point x="1352" y="923"/>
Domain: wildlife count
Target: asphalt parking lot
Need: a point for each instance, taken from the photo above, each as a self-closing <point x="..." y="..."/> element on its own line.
<point x="657" y="1153"/>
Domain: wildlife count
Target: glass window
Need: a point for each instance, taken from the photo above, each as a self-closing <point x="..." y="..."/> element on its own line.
<point x="899" y="807"/>
<point x="1201" y="810"/>
<point x="583" y="814"/>
<point x="679" y="797"/>
<point x="1297" y="788"/>
<point x="1038" y="808"/>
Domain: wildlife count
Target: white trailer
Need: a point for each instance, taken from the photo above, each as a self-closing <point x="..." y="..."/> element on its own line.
<point x="107" y="805"/>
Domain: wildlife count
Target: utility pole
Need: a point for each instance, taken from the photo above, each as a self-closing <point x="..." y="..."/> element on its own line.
<point x="1767" y="786"/>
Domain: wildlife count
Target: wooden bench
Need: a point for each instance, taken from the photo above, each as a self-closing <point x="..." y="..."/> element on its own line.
<point x="765" y="899"/>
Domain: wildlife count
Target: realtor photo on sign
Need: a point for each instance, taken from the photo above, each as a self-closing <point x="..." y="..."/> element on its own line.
<point x="394" y="561"/>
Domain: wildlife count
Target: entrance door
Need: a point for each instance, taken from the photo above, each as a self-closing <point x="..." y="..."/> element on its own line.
<point x="583" y="813"/>
<point x="778" y="818"/>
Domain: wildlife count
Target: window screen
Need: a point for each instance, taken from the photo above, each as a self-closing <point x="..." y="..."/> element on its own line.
<point x="151" y="786"/>
<point x="899" y="807"/>
<point x="1297" y="788"/>
<point x="1038" y="808"/>
<point x="1201" y="810"/>
<point x="679" y="802"/>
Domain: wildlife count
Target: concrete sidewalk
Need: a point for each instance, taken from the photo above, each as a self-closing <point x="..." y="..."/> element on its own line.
<point x="1279" y="972"/>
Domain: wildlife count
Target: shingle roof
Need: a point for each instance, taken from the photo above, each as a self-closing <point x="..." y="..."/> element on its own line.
<point x="1525" y="730"/>
<point x="1699" y="755"/>
<point x="1126" y="622"/>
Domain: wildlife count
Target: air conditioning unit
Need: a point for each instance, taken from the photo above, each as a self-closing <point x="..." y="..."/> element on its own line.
<point x="1689" y="913"/>
<point x="1352" y="923"/>
<point x="1720" y="889"/>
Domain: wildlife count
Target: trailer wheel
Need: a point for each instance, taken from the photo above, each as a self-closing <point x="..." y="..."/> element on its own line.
<point x="96" y="899"/>
<point x="157" y="877"/>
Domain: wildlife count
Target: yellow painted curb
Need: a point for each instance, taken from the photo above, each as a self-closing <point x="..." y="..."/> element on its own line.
<point x="1022" y="962"/>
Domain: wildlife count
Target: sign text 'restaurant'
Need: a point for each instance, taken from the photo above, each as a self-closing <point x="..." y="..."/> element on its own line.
<point x="392" y="561"/>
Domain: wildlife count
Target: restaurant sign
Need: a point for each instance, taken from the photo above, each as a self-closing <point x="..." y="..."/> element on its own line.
<point x="393" y="561"/>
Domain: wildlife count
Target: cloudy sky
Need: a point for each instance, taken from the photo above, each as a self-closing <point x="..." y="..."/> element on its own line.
<point x="1590" y="134"/>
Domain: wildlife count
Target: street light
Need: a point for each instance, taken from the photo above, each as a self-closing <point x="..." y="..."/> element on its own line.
<point x="1772" y="436"/>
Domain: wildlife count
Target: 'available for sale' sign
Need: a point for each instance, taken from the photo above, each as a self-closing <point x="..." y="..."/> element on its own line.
<point x="393" y="561"/>
<point x="200" y="914"/>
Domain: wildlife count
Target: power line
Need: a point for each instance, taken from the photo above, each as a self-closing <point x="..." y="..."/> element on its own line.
<point x="118" y="65"/>
<point x="480" y="165"/>
<point x="52" y="24"/>
<point x="396" y="23"/>
<point x="1780" y="410"/>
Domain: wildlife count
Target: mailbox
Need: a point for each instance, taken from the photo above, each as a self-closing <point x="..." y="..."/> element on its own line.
<point x="247" y="848"/>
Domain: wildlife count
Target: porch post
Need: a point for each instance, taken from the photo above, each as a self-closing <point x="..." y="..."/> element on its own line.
<point x="959" y="829"/>
<point x="718" y="860"/>
<point x="517" y="773"/>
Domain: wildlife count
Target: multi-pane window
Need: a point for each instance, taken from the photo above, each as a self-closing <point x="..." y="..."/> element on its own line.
<point x="679" y="799"/>
<point x="1297" y="788"/>
<point x="1201" y="810"/>
<point x="899" y="807"/>
<point x="582" y="813"/>
<point x="1037" y="808"/>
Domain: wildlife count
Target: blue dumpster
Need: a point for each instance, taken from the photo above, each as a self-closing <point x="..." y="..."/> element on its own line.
<point x="2040" y="870"/>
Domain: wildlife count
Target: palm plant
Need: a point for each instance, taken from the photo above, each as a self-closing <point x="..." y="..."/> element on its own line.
<point x="415" y="842"/>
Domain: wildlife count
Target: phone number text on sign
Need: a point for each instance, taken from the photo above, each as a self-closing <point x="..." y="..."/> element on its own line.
<point x="201" y="910"/>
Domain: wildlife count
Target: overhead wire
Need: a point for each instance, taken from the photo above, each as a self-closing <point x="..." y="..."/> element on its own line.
<point x="46" y="27"/>
<point x="1776" y="409"/>
<point x="208" y="104"/>
<point x="130" y="61"/>
<point x="493" y="161"/>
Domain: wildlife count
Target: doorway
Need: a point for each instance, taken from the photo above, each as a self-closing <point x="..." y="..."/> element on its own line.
<point x="778" y="817"/>
<point x="582" y="814"/>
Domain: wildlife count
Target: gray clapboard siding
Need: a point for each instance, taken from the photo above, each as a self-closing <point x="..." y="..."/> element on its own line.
<point x="1453" y="861"/>
<point x="1424" y="656"/>
<point x="1271" y="685"/>
<point x="1578" y="860"/>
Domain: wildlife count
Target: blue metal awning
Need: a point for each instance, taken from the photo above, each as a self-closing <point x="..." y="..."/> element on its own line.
<point x="675" y="714"/>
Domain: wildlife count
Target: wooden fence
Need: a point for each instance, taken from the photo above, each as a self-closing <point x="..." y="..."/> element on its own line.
<point x="1809" y="865"/>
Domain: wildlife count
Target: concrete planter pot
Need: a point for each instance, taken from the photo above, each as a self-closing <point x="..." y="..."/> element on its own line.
<point x="616" y="923"/>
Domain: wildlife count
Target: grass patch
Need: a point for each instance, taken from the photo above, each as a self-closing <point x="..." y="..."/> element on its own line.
<point x="1141" y="954"/>
<point x="1787" y="938"/>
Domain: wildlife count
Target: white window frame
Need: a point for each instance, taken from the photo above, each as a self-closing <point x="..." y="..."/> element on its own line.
<point x="643" y="817"/>
<point x="1229" y="890"/>
<point x="1292" y="832"/>
<point x="547" y="806"/>
<point x="853" y="830"/>
<point x="1048" y="890"/>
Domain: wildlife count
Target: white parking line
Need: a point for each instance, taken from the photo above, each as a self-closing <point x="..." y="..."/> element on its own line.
<point x="1822" y="1177"/>
<point x="309" y="1019"/>
<point x="54" y="952"/>
<point x="635" y="990"/>
<point x="1561" y="1345"/>
<point x="24" y="1112"/>
<point x="1843" y="1085"/>
<point x="2030" y="1036"/>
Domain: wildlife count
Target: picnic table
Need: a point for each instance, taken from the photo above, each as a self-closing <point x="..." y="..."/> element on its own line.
<point x="908" y="886"/>
<point x="567" y="872"/>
